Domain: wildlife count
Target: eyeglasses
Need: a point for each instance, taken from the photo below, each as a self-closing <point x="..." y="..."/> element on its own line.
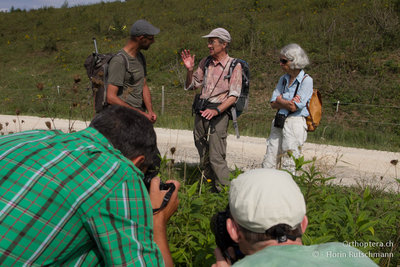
<point x="283" y="61"/>
<point x="211" y="41"/>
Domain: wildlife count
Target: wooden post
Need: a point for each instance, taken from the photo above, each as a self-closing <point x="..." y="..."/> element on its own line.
<point x="162" y="100"/>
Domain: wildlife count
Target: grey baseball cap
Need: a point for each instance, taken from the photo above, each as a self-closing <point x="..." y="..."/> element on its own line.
<point x="219" y="33"/>
<point x="143" y="27"/>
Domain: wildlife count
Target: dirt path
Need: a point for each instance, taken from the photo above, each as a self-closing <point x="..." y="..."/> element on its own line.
<point x="350" y="165"/>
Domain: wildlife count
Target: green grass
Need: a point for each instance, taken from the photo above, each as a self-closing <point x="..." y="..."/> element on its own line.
<point x="353" y="47"/>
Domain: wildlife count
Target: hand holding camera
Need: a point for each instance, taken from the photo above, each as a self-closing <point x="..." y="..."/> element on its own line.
<point x="228" y="248"/>
<point x="164" y="198"/>
<point x="157" y="188"/>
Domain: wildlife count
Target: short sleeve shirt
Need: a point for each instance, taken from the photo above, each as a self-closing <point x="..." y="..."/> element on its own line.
<point x="72" y="200"/>
<point x="130" y="82"/>
<point x="216" y="87"/>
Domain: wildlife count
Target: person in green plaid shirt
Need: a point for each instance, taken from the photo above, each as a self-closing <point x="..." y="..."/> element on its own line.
<point x="78" y="199"/>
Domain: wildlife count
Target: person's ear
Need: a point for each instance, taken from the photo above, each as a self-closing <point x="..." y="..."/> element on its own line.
<point x="233" y="229"/>
<point x="138" y="161"/>
<point x="304" y="224"/>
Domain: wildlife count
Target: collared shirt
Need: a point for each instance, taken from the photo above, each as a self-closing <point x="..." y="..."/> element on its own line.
<point x="72" y="200"/>
<point x="287" y="91"/>
<point x="217" y="88"/>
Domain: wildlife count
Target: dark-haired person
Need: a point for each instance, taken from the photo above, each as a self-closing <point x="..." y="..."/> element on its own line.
<point x="289" y="128"/>
<point x="127" y="72"/>
<point x="211" y="123"/>
<point x="78" y="199"/>
<point x="268" y="219"/>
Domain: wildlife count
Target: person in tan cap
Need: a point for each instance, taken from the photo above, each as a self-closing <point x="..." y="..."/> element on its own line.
<point x="268" y="219"/>
<point x="218" y="94"/>
<point x="127" y="84"/>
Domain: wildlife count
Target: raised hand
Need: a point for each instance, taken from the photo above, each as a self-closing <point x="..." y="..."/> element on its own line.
<point x="188" y="59"/>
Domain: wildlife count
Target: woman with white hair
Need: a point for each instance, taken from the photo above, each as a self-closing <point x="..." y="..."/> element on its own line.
<point x="290" y="97"/>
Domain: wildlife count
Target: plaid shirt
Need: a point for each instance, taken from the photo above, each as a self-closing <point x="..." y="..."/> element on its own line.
<point x="72" y="200"/>
<point x="217" y="89"/>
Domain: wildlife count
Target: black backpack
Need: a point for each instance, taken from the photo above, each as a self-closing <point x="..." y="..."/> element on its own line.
<point x="96" y="66"/>
<point x="243" y="100"/>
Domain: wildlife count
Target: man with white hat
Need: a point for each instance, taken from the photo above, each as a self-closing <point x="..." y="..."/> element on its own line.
<point x="127" y="84"/>
<point x="218" y="94"/>
<point x="267" y="220"/>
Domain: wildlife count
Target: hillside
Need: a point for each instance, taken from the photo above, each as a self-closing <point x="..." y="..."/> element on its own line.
<point x="353" y="46"/>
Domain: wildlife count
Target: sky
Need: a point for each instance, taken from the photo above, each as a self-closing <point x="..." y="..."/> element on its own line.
<point x="5" y="5"/>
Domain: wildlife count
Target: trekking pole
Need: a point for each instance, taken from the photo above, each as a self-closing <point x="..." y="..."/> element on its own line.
<point x="234" y="120"/>
<point x="95" y="45"/>
<point x="202" y="172"/>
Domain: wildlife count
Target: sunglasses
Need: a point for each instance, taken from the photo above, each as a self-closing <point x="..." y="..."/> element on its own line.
<point x="283" y="61"/>
<point x="149" y="37"/>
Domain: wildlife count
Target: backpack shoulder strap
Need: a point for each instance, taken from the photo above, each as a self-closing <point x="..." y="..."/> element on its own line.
<point x="234" y="62"/>
<point x="295" y="92"/>
<point x="207" y="63"/>
<point x="125" y="58"/>
<point x="141" y="58"/>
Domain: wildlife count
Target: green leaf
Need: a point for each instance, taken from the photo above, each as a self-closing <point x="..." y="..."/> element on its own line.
<point x="371" y="229"/>
<point x="192" y="189"/>
<point x="367" y="194"/>
<point x="350" y="219"/>
<point x="366" y="226"/>
<point x="198" y="202"/>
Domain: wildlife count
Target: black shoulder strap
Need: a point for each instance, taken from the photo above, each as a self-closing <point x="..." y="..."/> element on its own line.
<point x="234" y="62"/>
<point x="297" y="87"/>
<point x="143" y="59"/>
<point x="207" y="63"/>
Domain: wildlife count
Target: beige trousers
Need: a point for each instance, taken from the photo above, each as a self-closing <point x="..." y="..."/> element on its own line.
<point x="280" y="141"/>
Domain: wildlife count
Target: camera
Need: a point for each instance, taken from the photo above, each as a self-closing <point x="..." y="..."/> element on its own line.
<point x="222" y="237"/>
<point x="199" y="104"/>
<point x="279" y="121"/>
<point x="153" y="170"/>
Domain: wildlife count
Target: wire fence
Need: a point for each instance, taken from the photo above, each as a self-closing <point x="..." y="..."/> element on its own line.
<point x="335" y="110"/>
<point x="165" y="103"/>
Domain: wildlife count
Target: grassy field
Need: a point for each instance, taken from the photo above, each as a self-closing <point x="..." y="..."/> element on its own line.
<point x="353" y="47"/>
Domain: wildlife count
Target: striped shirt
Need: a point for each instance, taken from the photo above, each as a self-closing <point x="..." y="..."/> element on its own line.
<point x="72" y="200"/>
<point x="217" y="89"/>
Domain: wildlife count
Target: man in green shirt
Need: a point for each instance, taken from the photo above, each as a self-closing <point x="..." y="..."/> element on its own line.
<point x="267" y="219"/>
<point x="78" y="199"/>
<point x="127" y="84"/>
